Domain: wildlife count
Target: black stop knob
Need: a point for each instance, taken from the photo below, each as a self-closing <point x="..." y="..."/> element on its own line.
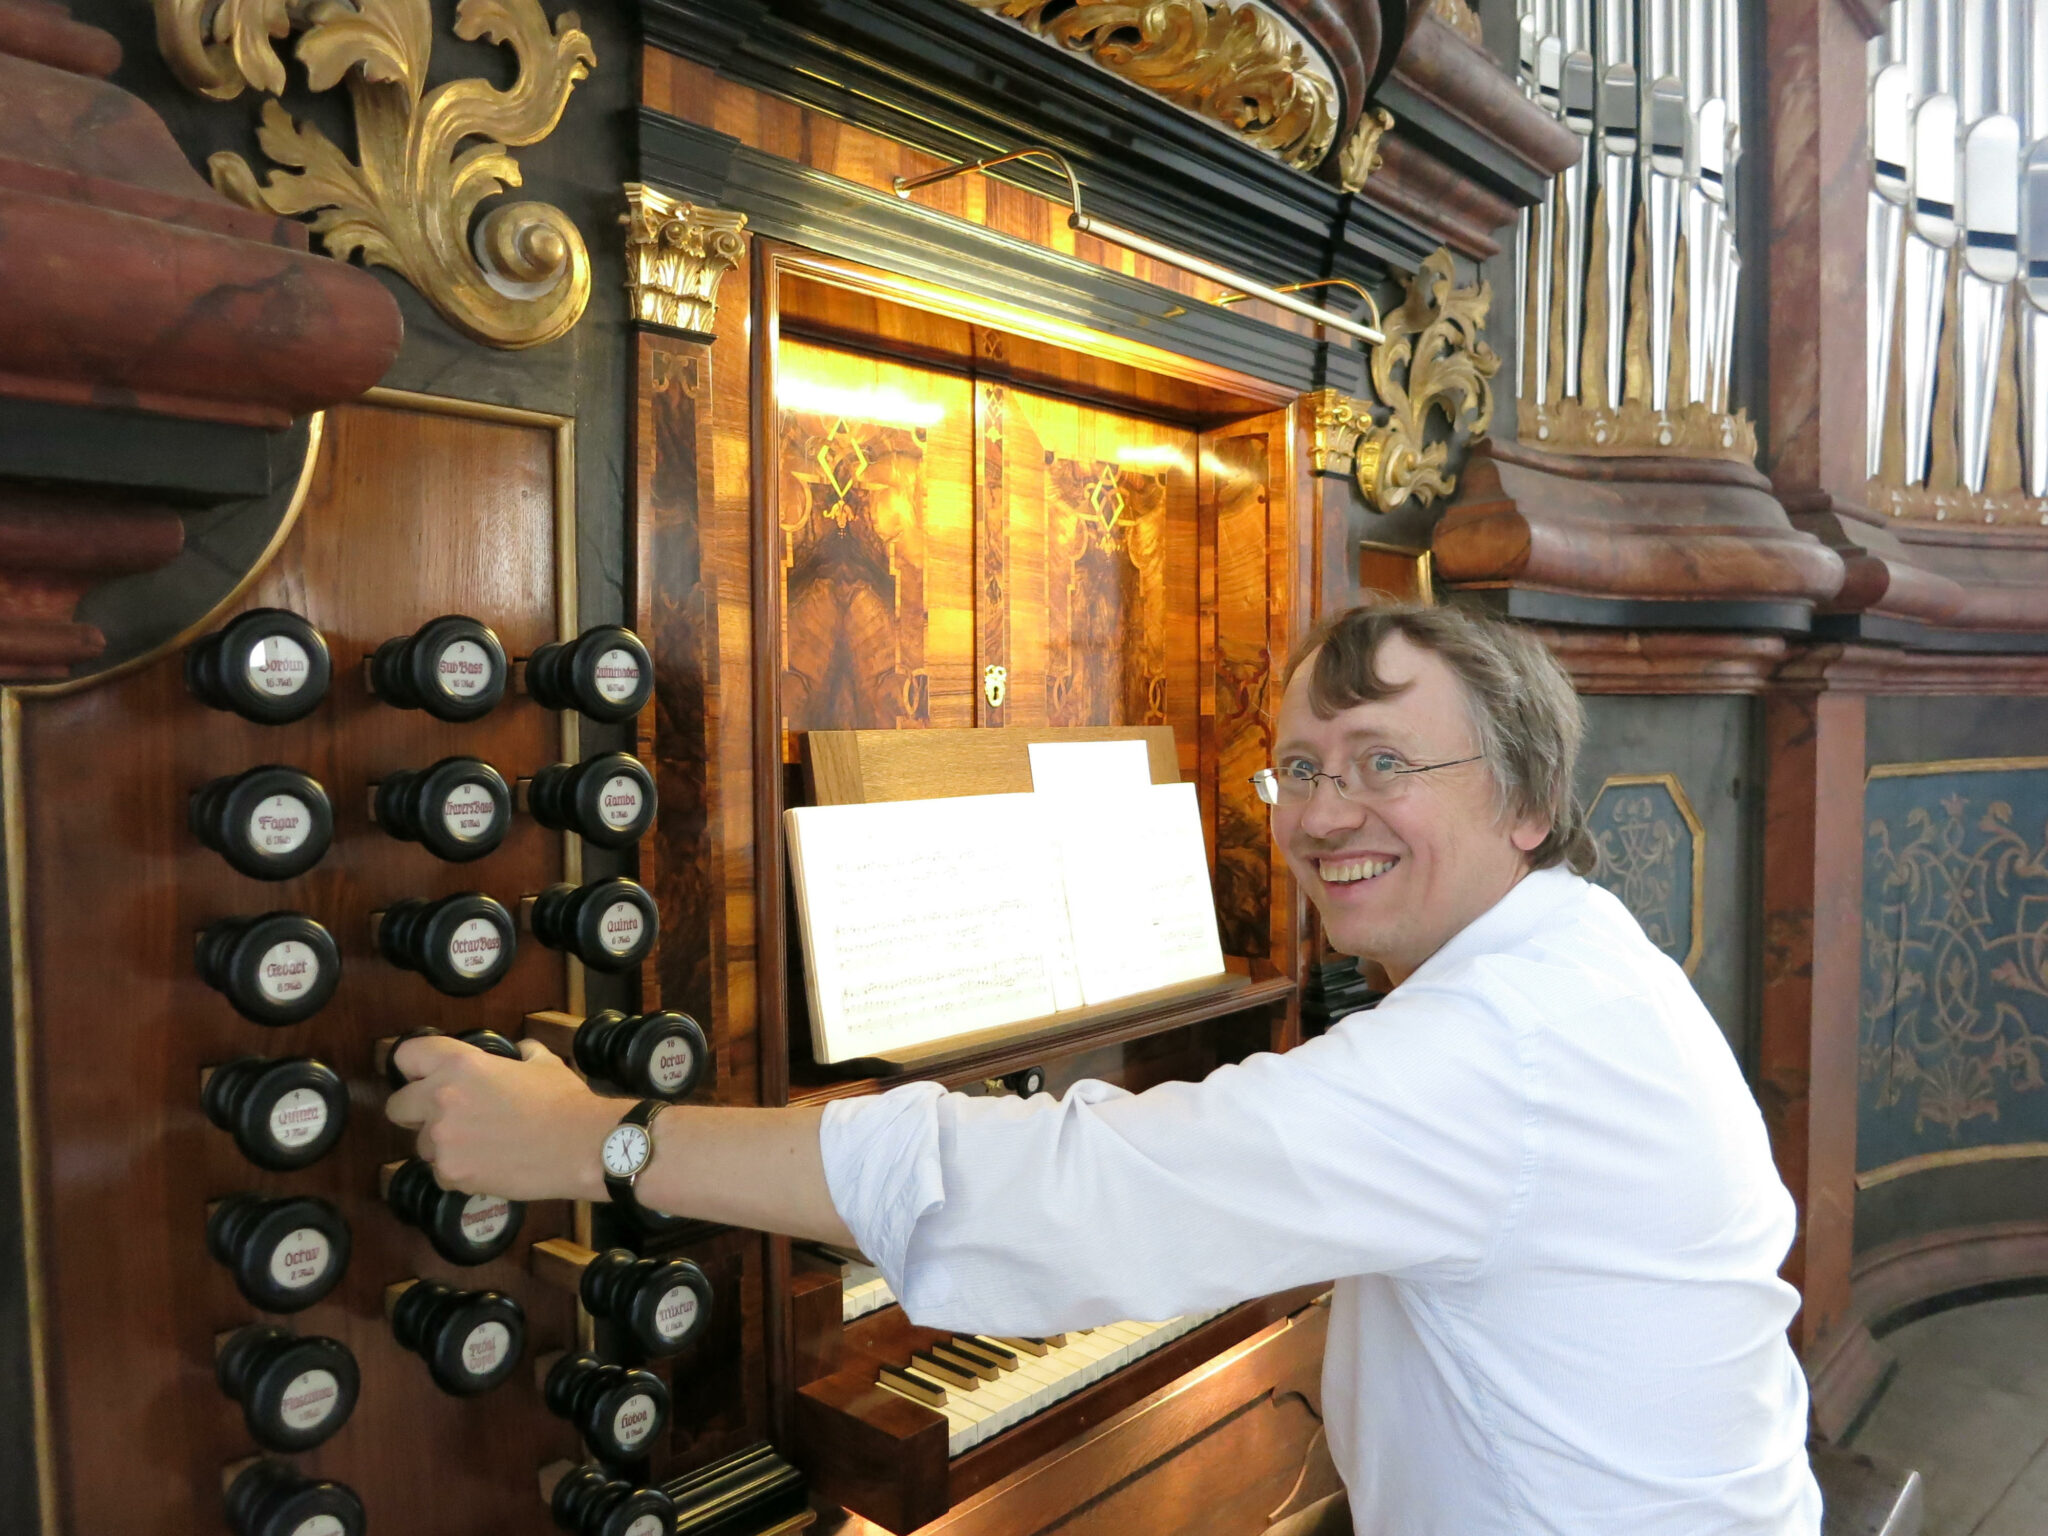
<point x="464" y="1229"/>
<point x="1026" y="1084"/>
<point x="604" y="673"/>
<point x="610" y="925"/>
<point x="268" y="666"/>
<point x="608" y="799"/>
<point x="452" y="667"/>
<point x="459" y="809"/>
<point x="663" y="1303"/>
<point x="270" y="822"/>
<point x="285" y="1252"/>
<point x="464" y="944"/>
<point x="588" y="1503"/>
<point x="471" y="1340"/>
<point x="486" y="1040"/>
<point x="282" y="1114"/>
<point x="619" y="1410"/>
<point x="294" y="1392"/>
<point x="647" y="1055"/>
<point x="273" y="1498"/>
<point x="276" y="969"/>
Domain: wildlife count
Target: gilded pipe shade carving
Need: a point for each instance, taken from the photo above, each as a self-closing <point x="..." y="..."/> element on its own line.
<point x="1954" y="997"/>
<point x="517" y="277"/>
<point x="1231" y="62"/>
<point x="1652" y="851"/>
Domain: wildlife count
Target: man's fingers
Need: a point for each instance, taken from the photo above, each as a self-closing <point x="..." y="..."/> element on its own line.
<point x="419" y="1055"/>
<point x="412" y="1106"/>
<point x="423" y="1145"/>
<point x="529" y="1049"/>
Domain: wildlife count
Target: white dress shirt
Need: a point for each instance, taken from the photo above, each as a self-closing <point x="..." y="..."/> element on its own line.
<point x="1535" y="1172"/>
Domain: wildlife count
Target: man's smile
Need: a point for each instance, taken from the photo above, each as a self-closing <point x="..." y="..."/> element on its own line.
<point x="1354" y="868"/>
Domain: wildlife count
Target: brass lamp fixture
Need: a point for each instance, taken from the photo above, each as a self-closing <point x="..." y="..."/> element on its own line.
<point x="1240" y="286"/>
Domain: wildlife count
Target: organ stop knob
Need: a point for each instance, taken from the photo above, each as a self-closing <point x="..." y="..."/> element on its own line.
<point x="452" y="667"/>
<point x="588" y="1503"/>
<point x="294" y="1391"/>
<point x="284" y="1252"/>
<point x="619" y="1410"/>
<point x="463" y="944"/>
<point x="471" y="1340"/>
<point x="276" y="969"/>
<point x="605" y="673"/>
<point x="268" y="666"/>
<point x="663" y="1303"/>
<point x="270" y="823"/>
<point x="464" y="1229"/>
<point x="282" y="1114"/>
<point x="273" y="1498"/>
<point x="458" y="809"/>
<point x="648" y="1055"/>
<point x="488" y="1041"/>
<point x="610" y="925"/>
<point x="608" y="799"/>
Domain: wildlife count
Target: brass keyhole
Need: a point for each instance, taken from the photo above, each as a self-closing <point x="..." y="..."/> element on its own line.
<point x="994" y="682"/>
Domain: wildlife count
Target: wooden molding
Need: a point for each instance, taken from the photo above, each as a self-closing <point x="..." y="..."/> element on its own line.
<point x="1661" y="529"/>
<point x="1665" y="661"/>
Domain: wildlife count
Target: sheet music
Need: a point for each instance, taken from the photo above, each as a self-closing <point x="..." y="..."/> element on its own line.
<point x="924" y="918"/>
<point x="1089" y="767"/>
<point x="1136" y="876"/>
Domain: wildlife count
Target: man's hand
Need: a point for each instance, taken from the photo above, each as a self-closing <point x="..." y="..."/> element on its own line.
<point x="526" y="1130"/>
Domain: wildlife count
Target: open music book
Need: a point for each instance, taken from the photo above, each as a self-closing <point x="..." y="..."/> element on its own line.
<point x="924" y="919"/>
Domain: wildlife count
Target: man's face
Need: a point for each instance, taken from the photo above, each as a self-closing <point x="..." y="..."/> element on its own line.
<point x="1396" y="873"/>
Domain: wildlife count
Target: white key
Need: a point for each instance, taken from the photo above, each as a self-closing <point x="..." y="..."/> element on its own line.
<point x="976" y="1416"/>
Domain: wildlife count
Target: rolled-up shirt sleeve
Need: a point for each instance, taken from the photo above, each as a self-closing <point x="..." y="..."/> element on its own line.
<point x="1401" y="1140"/>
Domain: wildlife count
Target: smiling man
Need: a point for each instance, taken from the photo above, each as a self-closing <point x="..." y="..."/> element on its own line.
<point x="1534" y="1171"/>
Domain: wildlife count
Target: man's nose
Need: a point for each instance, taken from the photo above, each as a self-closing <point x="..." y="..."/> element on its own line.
<point x="1328" y="812"/>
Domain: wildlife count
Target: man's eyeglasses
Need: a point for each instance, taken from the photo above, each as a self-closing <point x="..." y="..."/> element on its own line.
<point x="1376" y="776"/>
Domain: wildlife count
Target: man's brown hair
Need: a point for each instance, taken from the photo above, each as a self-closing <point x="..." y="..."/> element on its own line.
<point x="1524" y="714"/>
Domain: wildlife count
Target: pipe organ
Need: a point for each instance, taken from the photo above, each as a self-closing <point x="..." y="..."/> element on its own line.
<point x="467" y="471"/>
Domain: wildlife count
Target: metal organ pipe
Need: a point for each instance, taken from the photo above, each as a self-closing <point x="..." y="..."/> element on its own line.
<point x="1653" y="88"/>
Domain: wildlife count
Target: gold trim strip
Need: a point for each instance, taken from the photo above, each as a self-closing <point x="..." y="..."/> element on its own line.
<point x="1952" y="765"/>
<point x="315" y="436"/>
<point x="15" y="821"/>
<point x="1956" y="1157"/>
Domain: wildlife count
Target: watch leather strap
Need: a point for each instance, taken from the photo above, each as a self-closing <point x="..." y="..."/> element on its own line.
<point x="622" y="1190"/>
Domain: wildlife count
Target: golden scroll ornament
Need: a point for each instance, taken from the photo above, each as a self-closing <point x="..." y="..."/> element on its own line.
<point x="1432" y="360"/>
<point x="676" y="255"/>
<point x="1433" y="344"/>
<point x="1229" y="61"/>
<point x="1360" y="156"/>
<point x="409" y="201"/>
<point x="1461" y="18"/>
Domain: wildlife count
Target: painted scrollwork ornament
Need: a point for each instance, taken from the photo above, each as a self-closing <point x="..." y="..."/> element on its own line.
<point x="516" y="277"/>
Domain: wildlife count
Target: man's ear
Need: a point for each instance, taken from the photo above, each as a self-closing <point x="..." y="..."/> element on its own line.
<point x="1529" y="834"/>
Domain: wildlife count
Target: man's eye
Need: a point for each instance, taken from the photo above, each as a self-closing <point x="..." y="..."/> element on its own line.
<point x="1297" y="770"/>
<point x="1384" y="762"/>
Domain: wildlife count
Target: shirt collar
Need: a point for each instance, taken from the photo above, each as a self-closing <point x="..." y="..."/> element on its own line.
<point x="1531" y="900"/>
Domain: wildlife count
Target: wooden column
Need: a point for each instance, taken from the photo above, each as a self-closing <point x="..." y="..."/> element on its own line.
<point x="1807" y="1050"/>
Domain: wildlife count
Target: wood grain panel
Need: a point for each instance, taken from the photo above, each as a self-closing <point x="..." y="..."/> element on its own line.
<point x="1244" y="675"/>
<point x="413" y="514"/>
<point x="875" y="508"/>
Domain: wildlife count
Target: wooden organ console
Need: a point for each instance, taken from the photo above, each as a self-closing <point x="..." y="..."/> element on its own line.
<point x="470" y="702"/>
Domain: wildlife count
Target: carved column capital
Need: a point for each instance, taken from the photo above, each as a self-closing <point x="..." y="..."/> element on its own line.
<point x="676" y="255"/>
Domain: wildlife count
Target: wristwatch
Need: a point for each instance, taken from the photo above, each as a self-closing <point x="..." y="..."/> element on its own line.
<point x="628" y="1150"/>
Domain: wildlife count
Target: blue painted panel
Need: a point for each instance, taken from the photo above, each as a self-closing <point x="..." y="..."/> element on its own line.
<point x="1646" y="859"/>
<point x="1954" y="1004"/>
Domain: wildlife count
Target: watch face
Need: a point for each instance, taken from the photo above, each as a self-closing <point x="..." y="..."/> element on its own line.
<point x="626" y="1151"/>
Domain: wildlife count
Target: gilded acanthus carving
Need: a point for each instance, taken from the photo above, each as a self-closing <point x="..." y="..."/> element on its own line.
<point x="1433" y="360"/>
<point x="676" y="254"/>
<point x="1692" y="431"/>
<point x="1360" y="156"/>
<point x="1230" y="61"/>
<point x="426" y="159"/>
